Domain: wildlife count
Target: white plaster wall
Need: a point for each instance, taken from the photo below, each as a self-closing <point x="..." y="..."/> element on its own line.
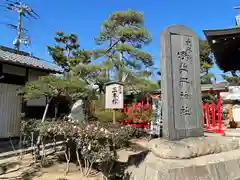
<point x="233" y="94"/>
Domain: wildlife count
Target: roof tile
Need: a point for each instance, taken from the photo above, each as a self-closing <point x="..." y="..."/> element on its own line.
<point x="22" y="58"/>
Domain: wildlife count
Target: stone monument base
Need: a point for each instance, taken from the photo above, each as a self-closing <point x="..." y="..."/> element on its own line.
<point x="192" y="147"/>
<point x="222" y="166"/>
<point x="167" y="161"/>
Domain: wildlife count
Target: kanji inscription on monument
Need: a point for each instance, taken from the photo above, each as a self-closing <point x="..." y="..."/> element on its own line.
<point x="180" y="83"/>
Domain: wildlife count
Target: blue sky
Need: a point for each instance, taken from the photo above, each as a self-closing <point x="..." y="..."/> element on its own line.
<point x="84" y="17"/>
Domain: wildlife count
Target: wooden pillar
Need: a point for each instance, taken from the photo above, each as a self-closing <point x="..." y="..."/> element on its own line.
<point x="230" y="112"/>
<point x="219" y="109"/>
<point x="230" y="115"/>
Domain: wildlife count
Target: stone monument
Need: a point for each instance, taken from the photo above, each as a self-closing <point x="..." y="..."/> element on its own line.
<point x="77" y="112"/>
<point x="184" y="153"/>
<point x="180" y="83"/>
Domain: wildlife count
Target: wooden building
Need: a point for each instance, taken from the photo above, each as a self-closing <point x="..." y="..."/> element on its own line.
<point x="225" y="45"/>
<point x="16" y="68"/>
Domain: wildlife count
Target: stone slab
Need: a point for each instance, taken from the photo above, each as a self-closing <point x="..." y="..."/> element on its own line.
<point x="221" y="166"/>
<point x="232" y="132"/>
<point x="180" y="83"/>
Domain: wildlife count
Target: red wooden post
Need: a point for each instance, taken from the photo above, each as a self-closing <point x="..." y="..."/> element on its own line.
<point x="129" y="108"/>
<point x="125" y="108"/>
<point x="219" y="109"/>
<point x="207" y="115"/>
<point x="134" y="106"/>
<point x="139" y="105"/>
<point x="146" y="106"/>
<point x="213" y="116"/>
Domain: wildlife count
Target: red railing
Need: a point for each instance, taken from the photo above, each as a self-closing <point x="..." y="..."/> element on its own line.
<point x="128" y="108"/>
<point x="211" y="115"/>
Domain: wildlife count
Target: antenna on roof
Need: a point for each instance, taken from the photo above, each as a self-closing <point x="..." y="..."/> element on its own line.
<point x="236" y="7"/>
<point x="237" y="18"/>
<point x="24" y="11"/>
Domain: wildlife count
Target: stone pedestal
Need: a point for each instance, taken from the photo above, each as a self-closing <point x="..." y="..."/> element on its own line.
<point x="197" y="164"/>
<point x="222" y="166"/>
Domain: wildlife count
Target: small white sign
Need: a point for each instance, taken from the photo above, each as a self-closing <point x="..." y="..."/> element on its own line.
<point x="114" y="96"/>
<point x="234" y="93"/>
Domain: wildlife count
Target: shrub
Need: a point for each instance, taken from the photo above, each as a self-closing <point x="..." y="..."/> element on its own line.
<point x="107" y="116"/>
<point x="142" y="115"/>
<point x="90" y="143"/>
<point x="103" y="115"/>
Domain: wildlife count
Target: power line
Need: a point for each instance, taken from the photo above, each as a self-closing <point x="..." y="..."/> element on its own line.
<point x="23" y="11"/>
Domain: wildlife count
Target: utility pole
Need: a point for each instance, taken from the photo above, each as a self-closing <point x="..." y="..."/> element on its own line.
<point x="24" y="11"/>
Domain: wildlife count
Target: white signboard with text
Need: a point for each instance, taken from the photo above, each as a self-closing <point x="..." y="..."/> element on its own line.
<point x="114" y="96"/>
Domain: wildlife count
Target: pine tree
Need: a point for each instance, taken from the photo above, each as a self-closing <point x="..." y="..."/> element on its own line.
<point x="123" y="35"/>
<point x="206" y="62"/>
<point x="67" y="53"/>
<point x="233" y="79"/>
<point x="74" y="60"/>
<point x="52" y="87"/>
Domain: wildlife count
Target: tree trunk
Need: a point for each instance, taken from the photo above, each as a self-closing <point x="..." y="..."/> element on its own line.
<point x="120" y="75"/>
<point x="107" y="69"/>
<point x="46" y="109"/>
<point x="43" y="119"/>
<point x="55" y="111"/>
<point x="102" y="98"/>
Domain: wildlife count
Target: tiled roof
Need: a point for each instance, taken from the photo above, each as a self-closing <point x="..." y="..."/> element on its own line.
<point x="223" y="86"/>
<point x="25" y="59"/>
<point x="215" y="87"/>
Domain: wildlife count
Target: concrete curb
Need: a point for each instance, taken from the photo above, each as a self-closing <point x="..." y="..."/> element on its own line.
<point x="232" y="133"/>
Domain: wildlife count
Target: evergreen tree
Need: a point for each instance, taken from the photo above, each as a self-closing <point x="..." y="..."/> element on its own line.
<point x="234" y="78"/>
<point x="52" y="87"/>
<point x="123" y="35"/>
<point x="206" y="62"/>
<point x="67" y="53"/>
<point x="74" y="61"/>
